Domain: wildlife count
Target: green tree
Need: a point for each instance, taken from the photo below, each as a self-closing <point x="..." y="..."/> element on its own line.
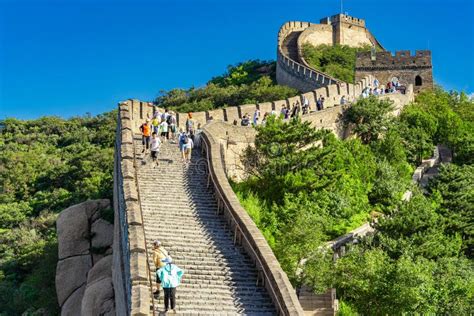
<point x="336" y="60"/>
<point x="369" y="118"/>
<point x="48" y="164"/>
<point x="455" y="187"/>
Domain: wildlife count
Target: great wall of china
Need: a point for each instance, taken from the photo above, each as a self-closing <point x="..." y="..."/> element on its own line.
<point x="242" y="272"/>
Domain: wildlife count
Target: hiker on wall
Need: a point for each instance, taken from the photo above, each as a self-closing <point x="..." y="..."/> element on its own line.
<point x="145" y="129"/>
<point x="170" y="276"/>
<point x="159" y="254"/>
<point x="155" y="147"/>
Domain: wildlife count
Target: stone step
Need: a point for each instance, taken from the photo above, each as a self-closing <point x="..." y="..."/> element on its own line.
<point x="180" y="211"/>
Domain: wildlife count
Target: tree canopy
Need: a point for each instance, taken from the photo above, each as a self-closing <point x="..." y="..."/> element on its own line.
<point x="245" y="83"/>
<point x="336" y="60"/>
<point x="306" y="187"/>
<point x="47" y="164"/>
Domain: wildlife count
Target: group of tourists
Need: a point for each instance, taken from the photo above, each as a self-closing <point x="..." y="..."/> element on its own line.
<point x="163" y="127"/>
<point x="286" y="111"/>
<point x="391" y="87"/>
<point x="167" y="275"/>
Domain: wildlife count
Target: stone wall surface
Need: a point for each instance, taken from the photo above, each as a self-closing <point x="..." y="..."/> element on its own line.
<point x="131" y="277"/>
<point x="246" y="232"/>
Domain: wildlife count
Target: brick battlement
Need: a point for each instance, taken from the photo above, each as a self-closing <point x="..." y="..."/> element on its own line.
<point x="401" y="60"/>
<point x="408" y="68"/>
<point x="343" y="18"/>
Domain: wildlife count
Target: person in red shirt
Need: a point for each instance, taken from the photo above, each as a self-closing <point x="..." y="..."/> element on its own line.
<point x="145" y="128"/>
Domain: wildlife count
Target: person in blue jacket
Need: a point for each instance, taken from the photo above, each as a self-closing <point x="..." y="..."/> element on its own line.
<point x="170" y="276"/>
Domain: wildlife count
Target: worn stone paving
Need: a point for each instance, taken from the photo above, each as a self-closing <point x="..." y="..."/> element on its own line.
<point x="180" y="211"/>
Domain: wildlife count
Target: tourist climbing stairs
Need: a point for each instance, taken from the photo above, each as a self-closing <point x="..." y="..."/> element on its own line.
<point x="180" y="210"/>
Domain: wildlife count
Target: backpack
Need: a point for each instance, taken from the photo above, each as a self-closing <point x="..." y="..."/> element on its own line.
<point x="185" y="139"/>
<point x="168" y="120"/>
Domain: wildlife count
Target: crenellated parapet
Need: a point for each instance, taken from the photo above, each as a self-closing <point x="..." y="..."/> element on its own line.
<point x="292" y="68"/>
<point x="131" y="273"/>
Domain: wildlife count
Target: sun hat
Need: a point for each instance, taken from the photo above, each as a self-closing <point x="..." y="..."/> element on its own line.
<point x="167" y="260"/>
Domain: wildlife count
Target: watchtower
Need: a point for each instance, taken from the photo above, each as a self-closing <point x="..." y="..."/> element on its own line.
<point x="403" y="67"/>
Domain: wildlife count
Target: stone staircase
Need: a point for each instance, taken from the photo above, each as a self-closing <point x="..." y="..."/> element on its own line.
<point x="180" y="211"/>
<point x="290" y="46"/>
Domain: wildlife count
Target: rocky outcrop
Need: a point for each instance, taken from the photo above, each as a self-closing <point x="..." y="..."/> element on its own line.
<point x="84" y="270"/>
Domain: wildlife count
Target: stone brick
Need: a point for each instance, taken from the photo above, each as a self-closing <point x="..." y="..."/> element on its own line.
<point x="127" y="151"/>
<point x="265" y="107"/>
<point x="126" y="124"/>
<point x="136" y="238"/>
<point x="138" y="267"/>
<point x="141" y="296"/>
<point x="232" y="113"/>
<point x="216" y="114"/>
<point x="128" y="169"/>
<point x="125" y="115"/>
<point x="293" y="100"/>
<point x="279" y="104"/>
<point x="123" y="107"/>
<point x="127" y="137"/>
<point x="134" y="216"/>
<point x="247" y="108"/>
<point x="130" y="190"/>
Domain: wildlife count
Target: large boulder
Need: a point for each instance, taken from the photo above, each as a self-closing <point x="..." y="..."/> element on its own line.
<point x="84" y="270"/>
<point x="71" y="273"/>
<point x="101" y="270"/>
<point x="73" y="227"/>
<point x="102" y="234"/>
<point x="73" y="232"/>
<point x="99" y="298"/>
<point x="72" y="306"/>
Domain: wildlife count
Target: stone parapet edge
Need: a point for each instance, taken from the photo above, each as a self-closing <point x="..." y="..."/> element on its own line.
<point x="247" y="233"/>
<point x="309" y="74"/>
<point x="141" y="296"/>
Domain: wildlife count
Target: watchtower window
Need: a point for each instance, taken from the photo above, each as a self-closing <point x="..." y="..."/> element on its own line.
<point x="418" y="81"/>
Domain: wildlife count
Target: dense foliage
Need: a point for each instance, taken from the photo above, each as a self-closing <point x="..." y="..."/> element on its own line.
<point x="47" y="164"/>
<point x="245" y="83"/>
<point x="317" y="187"/>
<point x="337" y="61"/>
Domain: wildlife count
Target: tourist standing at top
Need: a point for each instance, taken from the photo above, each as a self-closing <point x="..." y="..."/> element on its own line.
<point x="343" y="100"/>
<point x="256" y="116"/>
<point x="164" y="129"/>
<point x="245" y="120"/>
<point x="165" y="115"/>
<point x="170" y="276"/>
<point x="172" y="126"/>
<point x="305" y="105"/>
<point x="145" y="129"/>
<point x="376" y="83"/>
<point x="190" y="123"/>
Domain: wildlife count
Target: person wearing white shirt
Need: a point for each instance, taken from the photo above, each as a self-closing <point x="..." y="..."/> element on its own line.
<point x="155" y="147"/>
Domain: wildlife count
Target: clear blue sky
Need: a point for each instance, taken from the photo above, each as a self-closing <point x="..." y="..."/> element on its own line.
<point x="69" y="57"/>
